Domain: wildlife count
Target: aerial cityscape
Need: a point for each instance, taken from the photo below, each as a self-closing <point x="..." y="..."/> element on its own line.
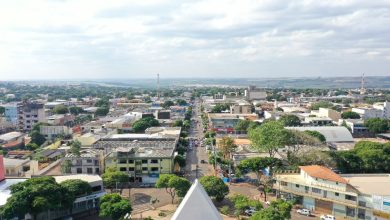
<point x="194" y="110"/>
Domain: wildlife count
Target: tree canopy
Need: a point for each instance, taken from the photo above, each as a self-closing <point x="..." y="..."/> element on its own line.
<point x="214" y="187"/>
<point x="102" y="111"/>
<point x="290" y="120"/>
<point x="377" y="125"/>
<point x="142" y="124"/>
<point x="218" y="108"/>
<point x="350" y="115"/>
<point x="173" y="185"/>
<point x="36" y="195"/>
<point x="114" y="206"/>
<point x="269" y="137"/>
<point x="77" y="187"/>
<point x="278" y="210"/>
<point x="167" y="104"/>
<point x="112" y="176"/>
<point x="321" y="104"/>
<point x="317" y="135"/>
<point x="227" y="146"/>
<point x="75" y="147"/>
<point x="241" y="203"/>
<point x="60" y="109"/>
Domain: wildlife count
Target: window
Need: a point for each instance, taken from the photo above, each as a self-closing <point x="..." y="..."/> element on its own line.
<point x="336" y="194"/>
<point x="89" y="170"/>
<point x="362" y="203"/>
<point x="131" y="161"/>
<point x="144" y="169"/>
<point x="350" y="212"/>
<point x="297" y="185"/>
<point x="144" y="161"/>
<point x="122" y="169"/>
<point x="122" y="161"/>
<point x="131" y="168"/>
<point x="154" y="161"/>
<point x="283" y="183"/>
<point x="89" y="161"/>
<point x="97" y="170"/>
<point x="79" y="170"/>
<point x="315" y="190"/>
<point x="96" y="188"/>
<point x="349" y="197"/>
<point x="154" y="169"/>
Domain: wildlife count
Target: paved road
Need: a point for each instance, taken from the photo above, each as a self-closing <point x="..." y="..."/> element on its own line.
<point x="195" y="168"/>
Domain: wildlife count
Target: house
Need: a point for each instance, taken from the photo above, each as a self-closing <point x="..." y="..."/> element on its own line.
<point x="327" y="113"/>
<point x="20" y="167"/>
<point x="225" y="122"/>
<point x="196" y="205"/>
<point x="12" y="140"/>
<point x="52" y="132"/>
<point x="352" y="196"/>
<point x="356" y="125"/>
<point x="241" y="108"/>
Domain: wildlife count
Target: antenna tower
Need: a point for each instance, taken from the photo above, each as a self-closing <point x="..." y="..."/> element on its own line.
<point x="158" y="86"/>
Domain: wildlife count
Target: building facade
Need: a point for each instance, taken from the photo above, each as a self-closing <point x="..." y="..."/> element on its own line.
<point x="321" y="190"/>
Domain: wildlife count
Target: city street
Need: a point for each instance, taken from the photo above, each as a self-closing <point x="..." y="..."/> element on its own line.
<point x="197" y="153"/>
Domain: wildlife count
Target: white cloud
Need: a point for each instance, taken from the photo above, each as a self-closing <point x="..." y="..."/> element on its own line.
<point x="203" y="38"/>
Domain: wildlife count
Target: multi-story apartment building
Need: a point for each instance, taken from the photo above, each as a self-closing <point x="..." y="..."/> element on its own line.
<point x="90" y="161"/>
<point x="378" y="110"/>
<point x="253" y="93"/>
<point x="241" y="108"/>
<point x="25" y="114"/>
<point x="143" y="159"/>
<point x="351" y="196"/>
<point x="51" y="132"/>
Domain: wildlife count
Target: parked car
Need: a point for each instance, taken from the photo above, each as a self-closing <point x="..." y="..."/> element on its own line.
<point x="250" y="211"/>
<point x="327" y="217"/>
<point x="304" y="212"/>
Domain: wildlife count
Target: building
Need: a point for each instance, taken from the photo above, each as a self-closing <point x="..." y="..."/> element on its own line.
<point x="353" y="196"/>
<point x="25" y="114"/>
<point x="327" y="113"/>
<point x="90" y="161"/>
<point x="163" y="114"/>
<point x="221" y="122"/>
<point x="378" y="110"/>
<point x="241" y="108"/>
<point x="144" y="159"/>
<point x="332" y="134"/>
<point x="196" y="205"/>
<point x="52" y="132"/>
<point x="356" y="125"/>
<point x="253" y="93"/>
<point x="12" y="140"/>
<point x="61" y="119"/>
<point x="19" y="167"/>
<point x="317" y="121"/>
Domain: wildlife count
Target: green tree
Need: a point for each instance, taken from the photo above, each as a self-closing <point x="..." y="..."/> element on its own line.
<point x="179" y="159"/>
<point x="2" y="110"/>
<point x="77" y="187"/>
<point x="269" y="137"/>
<point x="177" y="123"/>
<point x="168" y="104"/>
<point x="214" y="187"/>
<point x="350" y="115"/>
<point x="290" y="120"/>
<point x="37" y="138"/>
<point x="32" y="146"/>
<point x="241" y="203"/>
<point x="377" y="125"/>
<point x="75" y="147"/>
<point x="181" y="102"/>
<point x="218" y="108"/>
<point x="321" y="104"/>
<point x="36" y="195"/>
<point x="112" y="177"/>
<point x="173" y="185"/>
<point x="227" y="146"/>
<point x="317" y="135"/>
<point x="142" y="124"/>
<point x="66" y="166"/>
<point x="278" y="210"/>
<point x="75" y="110"/>
<point x="102" y="111"/>
<point x="257" y="165"/>
<point x="103" y="103"/>
<point x="114" y="206"/>
<point x="242" y="125"/>
<point x="60" y="109"/>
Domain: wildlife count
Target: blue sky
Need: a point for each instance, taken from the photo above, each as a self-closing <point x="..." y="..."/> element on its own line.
<point x="74" y="39"/>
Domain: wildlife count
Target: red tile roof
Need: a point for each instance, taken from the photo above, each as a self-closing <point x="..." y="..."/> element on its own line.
<point x="322" y="172"/>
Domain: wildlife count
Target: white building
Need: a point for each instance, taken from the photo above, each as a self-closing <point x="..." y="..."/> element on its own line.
<point x="378" y="110"/>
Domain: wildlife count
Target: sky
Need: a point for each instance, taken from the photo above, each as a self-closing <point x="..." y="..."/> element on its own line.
<point x="100" y="39"/>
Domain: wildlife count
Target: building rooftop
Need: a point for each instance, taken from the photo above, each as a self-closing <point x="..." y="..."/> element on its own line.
<point x="8" y="162"/>
<point x="370" y="184"/>
<point x="11" y="135"/>
<point x="5" y="191"/>
<point x="85" y="177"/>
<point x="322" y="172"/>
<point x="86" y="153"/>
<point x="331" y="133"/>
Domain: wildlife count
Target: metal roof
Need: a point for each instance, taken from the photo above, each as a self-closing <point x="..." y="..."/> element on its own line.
<point x="331" y="133"/>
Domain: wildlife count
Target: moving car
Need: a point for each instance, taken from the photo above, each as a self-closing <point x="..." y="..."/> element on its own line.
<point x="327" y="217"/>
<point x="304" y="212"/>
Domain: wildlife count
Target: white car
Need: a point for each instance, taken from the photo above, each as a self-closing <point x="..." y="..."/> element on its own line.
<point x="304" y="212"/>
<point x="327" y="217"/>
<point x="250" y="211"/>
